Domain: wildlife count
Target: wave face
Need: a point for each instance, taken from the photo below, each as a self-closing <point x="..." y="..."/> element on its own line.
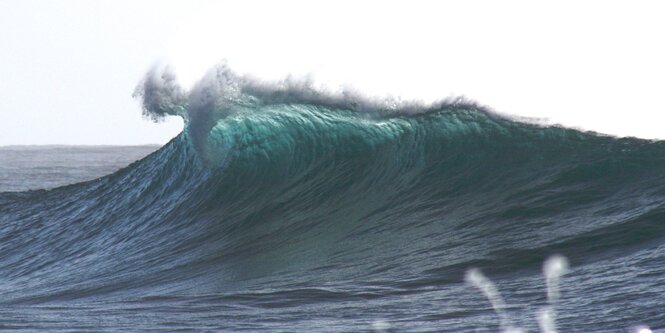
<point x="282" y="210"/>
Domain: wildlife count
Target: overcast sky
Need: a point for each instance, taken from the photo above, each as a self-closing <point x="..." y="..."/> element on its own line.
<point x="68" y="68"/>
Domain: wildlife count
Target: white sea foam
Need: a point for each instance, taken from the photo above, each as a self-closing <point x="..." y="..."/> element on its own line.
<point x="476" y="278"/>
<point x="380" y="326"/>
<point x="553" y="269"/>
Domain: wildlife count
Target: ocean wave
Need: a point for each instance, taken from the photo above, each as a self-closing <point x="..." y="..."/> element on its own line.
<point x="280" y="185"/>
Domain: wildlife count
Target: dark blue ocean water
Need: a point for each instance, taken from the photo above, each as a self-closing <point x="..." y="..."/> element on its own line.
<point x="280" y="210"/>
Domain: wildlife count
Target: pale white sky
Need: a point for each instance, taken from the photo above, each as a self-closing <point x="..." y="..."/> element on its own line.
<point x="68" y="68"/>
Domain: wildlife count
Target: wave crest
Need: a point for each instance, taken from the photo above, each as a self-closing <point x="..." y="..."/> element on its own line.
<point x="160" y="94"/>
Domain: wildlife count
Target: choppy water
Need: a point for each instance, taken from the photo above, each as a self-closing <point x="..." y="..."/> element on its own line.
<point x="278" y="209"/>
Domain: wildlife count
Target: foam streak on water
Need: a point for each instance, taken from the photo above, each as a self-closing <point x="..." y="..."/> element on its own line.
<point x="478" y="280"/>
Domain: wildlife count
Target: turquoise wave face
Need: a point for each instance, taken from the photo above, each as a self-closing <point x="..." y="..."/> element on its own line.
<point x="272" y="195"/>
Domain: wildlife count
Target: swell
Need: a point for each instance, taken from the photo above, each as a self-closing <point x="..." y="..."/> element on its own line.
<point x="304" y="192"/>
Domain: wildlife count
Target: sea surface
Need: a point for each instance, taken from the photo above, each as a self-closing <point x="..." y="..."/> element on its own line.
<point x="278" y="209"/>
<point x="25" y="168"/>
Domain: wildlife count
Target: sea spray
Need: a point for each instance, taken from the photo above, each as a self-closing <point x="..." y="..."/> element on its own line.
<point x="546" y="320"/>
<point x="641" y="329"/>
<point x="554" y="267"/>
<point x="381" y="326"/>
<point x="476" y="278"/>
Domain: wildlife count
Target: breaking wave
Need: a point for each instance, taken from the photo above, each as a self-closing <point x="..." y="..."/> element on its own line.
<point x="280" y="194"/>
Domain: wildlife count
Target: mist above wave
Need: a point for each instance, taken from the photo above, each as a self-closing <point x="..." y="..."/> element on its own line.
<point x="222" y="89"/>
